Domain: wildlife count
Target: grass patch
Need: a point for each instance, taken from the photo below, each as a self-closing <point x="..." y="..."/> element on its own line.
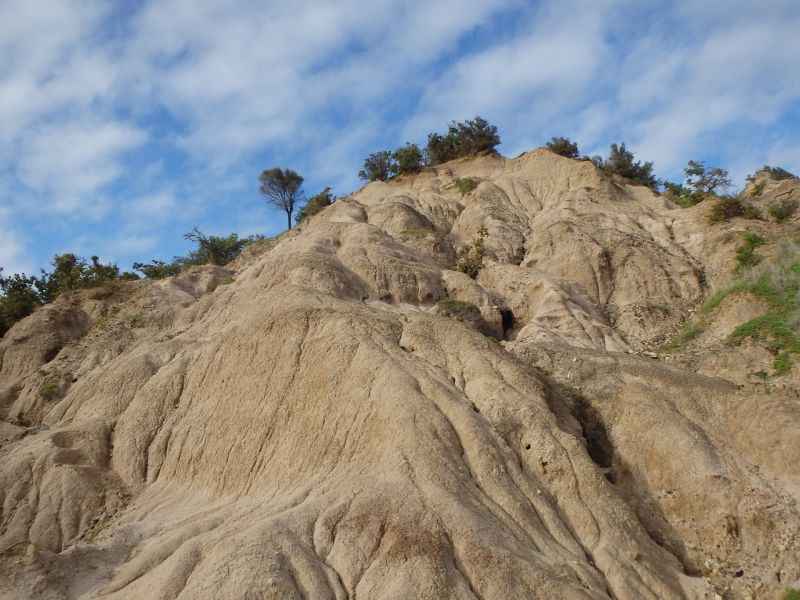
<point x="227" y="281"/>
<point x="777" y="282"/>
<point x="416" y="232"/>
<point x="94" y="530"/>
<point x="48" y="389"/>
<point x="459" y="309"/>
<point x="465" y="185"/>
<point x="687" y="333"/>
<point x="791" y="594"/>
<point x="746" y="253"/>
<point x="531" y="263"/>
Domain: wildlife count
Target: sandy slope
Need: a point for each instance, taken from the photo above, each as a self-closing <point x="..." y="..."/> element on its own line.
<point x="320" y="429"/>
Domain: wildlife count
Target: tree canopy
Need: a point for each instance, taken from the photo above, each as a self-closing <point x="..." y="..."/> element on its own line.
<point x="282" y="188"/>
<point x="620" y="161"/>
<point x="563" y="146"/>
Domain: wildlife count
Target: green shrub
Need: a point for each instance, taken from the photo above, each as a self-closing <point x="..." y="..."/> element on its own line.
<point x="465" y="185"/>
<point x="563" y="147"/>
<point x="706" y="181"/>
<point x="469" y="257"/>
<point x="791" y="594"/>
<point x="157" y="269"/>
<point x="781" y="209"/>
<point x="728" y="207"/>
<point x="20" y="297"/>
<point x="777" y="282"/>
<point x="620" y="162"/>
<point x="681" y="195"/>
<point x="407" y="159"/>
<point x="462" y="139"/>
<point x="315" y="205"/>
<point x="378" y="166"/>
<point x="212" y="249"/>
<point x="21" y="294"/>
<point x="687" y="333"/>
<point x="776" y="173"/>
<point x="758" y="189"/>
<point x="746" y="253"/>
<point x="458" y="309"/>
<point x="48" y="389"/>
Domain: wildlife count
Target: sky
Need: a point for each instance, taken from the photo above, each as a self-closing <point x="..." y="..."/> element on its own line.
<point x="125" y="124"/>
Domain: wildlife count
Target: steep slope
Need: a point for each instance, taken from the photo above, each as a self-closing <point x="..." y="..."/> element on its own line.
<point x="321" y="428"/>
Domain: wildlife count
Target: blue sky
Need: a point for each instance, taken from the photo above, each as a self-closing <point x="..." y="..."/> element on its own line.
<point x="123" y="124"/>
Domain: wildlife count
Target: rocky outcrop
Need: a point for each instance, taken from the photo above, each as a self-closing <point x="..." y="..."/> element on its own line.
<point x="311" y="422"/>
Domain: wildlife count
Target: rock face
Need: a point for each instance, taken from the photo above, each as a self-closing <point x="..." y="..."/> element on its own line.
<point x="326" y="427"/>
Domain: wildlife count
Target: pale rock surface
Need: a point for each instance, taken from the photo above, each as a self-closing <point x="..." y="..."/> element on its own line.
<point x="306" y="423"/>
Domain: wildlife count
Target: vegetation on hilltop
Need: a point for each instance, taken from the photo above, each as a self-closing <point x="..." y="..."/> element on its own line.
<point x="282" y="189"/>
<point x="22" y="294"/>
<point x="464" y="138"/>
<point x="563" y="147"/>
<point x="620" y="161"/>
<point x="315" y="205"/>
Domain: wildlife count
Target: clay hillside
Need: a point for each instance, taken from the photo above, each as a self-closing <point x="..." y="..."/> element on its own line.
<point x="608" y="409"/>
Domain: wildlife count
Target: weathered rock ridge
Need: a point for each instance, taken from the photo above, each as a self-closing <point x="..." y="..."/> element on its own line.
<point x="320" y="428"/>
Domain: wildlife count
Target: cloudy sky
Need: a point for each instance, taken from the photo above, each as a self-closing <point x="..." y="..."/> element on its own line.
<point x="123" y="124"/>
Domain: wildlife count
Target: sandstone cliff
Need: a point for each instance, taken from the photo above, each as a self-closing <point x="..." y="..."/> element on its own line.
<point x="323" y="427"/>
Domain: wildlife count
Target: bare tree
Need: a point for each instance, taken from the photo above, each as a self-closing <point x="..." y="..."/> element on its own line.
<point x="281" y="188"/>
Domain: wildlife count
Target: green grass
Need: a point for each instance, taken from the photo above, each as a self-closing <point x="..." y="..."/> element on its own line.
<point x="746" y="253"/>
<point x="791" y="594"/>
<point x="687" y="333"/>
<point x="465" y="185"/>
<point x="92" y="533"/>
<point x="777" y="282"/>
<point x="459" y="309"/>
<point x="48" y="389"/>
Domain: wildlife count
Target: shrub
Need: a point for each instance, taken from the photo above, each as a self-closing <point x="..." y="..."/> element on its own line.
<point x="687" y="333"/>
<point x="465" y="185"/>
<point x="21" y="294"/>
<point x="563" y="147"/>
<point x="462" y="139"/>
<point x="315" y="205"/>
<point x="746" y="253"/>
<point x="758" y="189"/>
<point x="378" y="166"/>
<point x="777" y="282"/>
<point x="407" y="159"/>
<point x="48" y="389"/>
<point x="20" y="297"/>
<point x="776" y="173"/>
<point x="727" y="207"/>
<point x="458" y="309"/>
<point x="157" y="269"/>
<point x="706" y="181"/>
<point x="469" y="257"/>
<point x="212" y="249"/>
<point x="620" y="162"/>
<point x="781" y="209"/>
<point x="791" y="594"/>
<point x="682" y="196"/>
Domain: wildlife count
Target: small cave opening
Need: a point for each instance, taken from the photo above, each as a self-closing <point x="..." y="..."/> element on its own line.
<point x="599" y="446"/>
<point x="508" y="321"/>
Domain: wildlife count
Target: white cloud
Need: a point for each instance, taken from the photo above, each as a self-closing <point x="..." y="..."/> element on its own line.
<point x="12" y="247"/>
<point x="209" y="88"/>
<point x="69" y="161"/>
